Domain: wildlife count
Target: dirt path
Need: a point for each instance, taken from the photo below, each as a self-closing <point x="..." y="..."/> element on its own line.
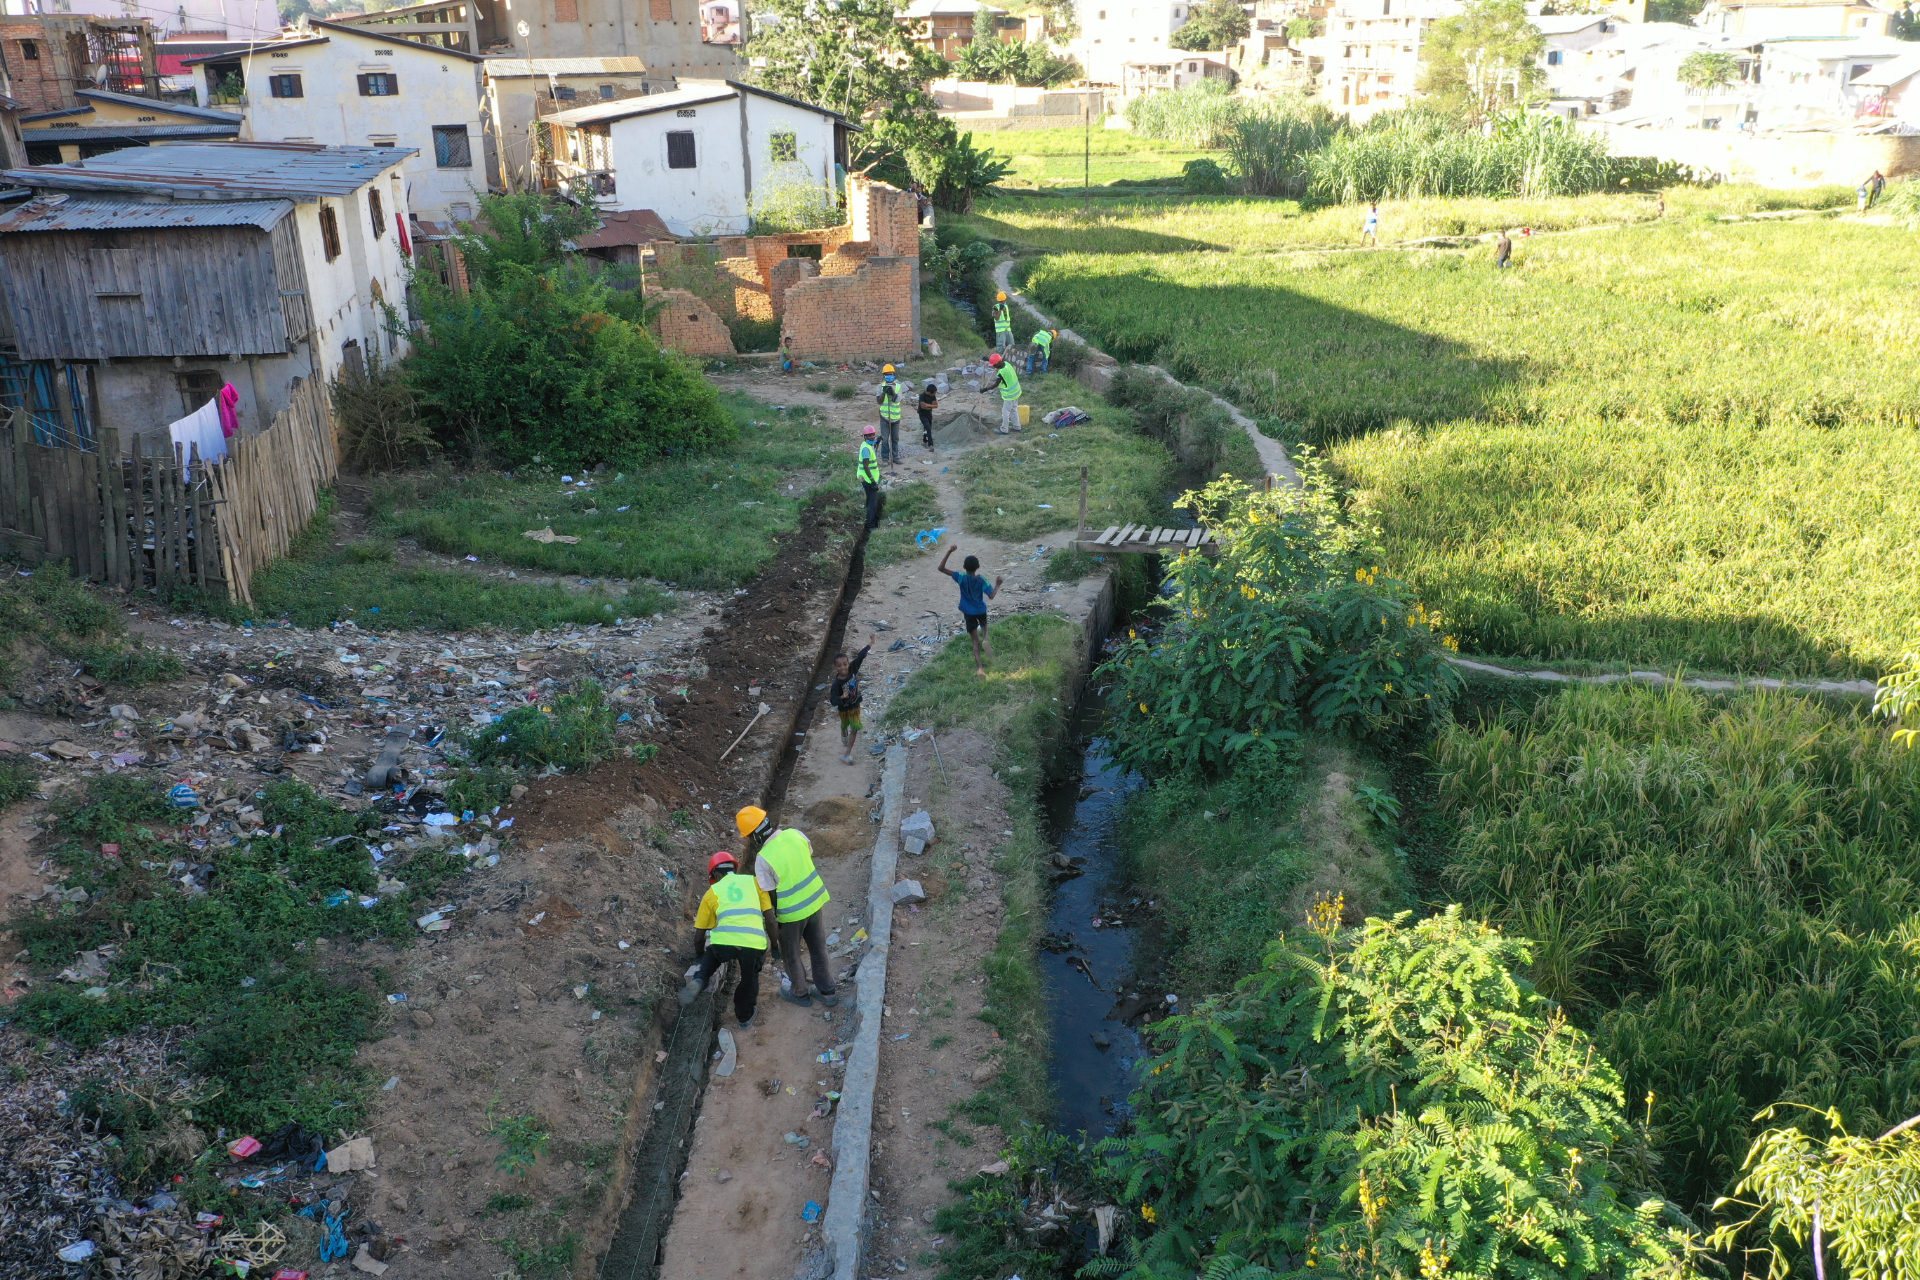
<point x="740" y="1213"/>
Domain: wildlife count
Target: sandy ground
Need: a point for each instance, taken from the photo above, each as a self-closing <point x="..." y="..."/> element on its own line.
<point x="740" y="1213"/>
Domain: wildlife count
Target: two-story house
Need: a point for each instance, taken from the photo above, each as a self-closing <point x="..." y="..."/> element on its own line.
<point x="349" y="86"/>
<point x="1114" y="33"/>
<point x="106" y="121"/>
<point x="136" y="283"/>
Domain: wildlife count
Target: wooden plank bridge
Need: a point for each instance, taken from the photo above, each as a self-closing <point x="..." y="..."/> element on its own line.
<point x="1166" y="540"/>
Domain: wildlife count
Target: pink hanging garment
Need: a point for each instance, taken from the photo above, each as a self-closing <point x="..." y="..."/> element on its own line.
<point x="229" y="413"/>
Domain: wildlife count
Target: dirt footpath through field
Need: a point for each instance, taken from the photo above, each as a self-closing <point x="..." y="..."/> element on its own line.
<point x="763" y="1142"/>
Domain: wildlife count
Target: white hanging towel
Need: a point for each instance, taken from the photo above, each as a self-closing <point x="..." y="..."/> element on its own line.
<point x="201" y="428"/>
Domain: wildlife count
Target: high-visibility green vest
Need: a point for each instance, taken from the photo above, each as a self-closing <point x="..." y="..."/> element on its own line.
<point x="1002" y="317"/>
<point x="869" y="468"/>
<point x="737" y="920"/>
<point x="889" y="402"/>
<point x="802" y="892"/>
<point x="1009" y="383"/>
<point x="1044" y="341"/>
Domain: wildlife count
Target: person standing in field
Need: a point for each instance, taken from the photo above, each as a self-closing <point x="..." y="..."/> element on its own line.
<point x="1875" y="185"/>
<point x="1370" y="229"/>
<point x="1008" y="383"/>
<point x="1002" y="322"/>
<point x="929" y="401"/>
<point x="974" y="594"/>
<point x="845" y="697"/>
<point x="1503" y="252"/>
<point x="734" y="922"/>
<point x="868" y="469"/>
<point x="888" y="398"/>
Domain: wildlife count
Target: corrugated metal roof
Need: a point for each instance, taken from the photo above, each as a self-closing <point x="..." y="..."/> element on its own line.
<point x="135" y="215"/>
<point x="109" y="132"/>
<point x="690" y="93"/>
<point x="235" y="169"/>
<point x="166" y="108"/>
<point x="504" y="68"/>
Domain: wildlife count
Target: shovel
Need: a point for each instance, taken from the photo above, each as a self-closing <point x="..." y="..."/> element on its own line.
<point x="764" y="708"/>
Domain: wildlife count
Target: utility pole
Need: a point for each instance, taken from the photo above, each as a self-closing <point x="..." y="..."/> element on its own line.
<point x="1086" y="158"/>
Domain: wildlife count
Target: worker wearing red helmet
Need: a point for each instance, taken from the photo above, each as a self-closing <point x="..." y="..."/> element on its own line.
<point x="1002" y="378"/>
<point x="734" y="922"/>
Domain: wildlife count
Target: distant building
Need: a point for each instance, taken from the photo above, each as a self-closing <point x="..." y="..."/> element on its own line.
<point x="1116" y="32"/>
<point x="1823" y="83"/>
<point x="1754" y="21"/>
<point x="50" y="58"/>
<point x="947" y="26"/>
<point x="1370" y="52"/>
<point x="106" y="122"/>
<point x="147" y="277"/>
<point x="240" y="20"/>
<point x="1179" y="70"/>
<point x="520" y="91"/>
<point x="697" y="156"/>
<point x="351" y="86"/>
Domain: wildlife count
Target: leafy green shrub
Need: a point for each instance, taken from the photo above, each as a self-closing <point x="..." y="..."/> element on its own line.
<point x="844" y="391"/>
<point x="754" y="335"/>
<point x="521" y="1139"/>
<point x="1392" y="1100"/>
<point x="17" y="782"/>
<point x="535" y="366"/>
<point x="479" y="789"/>
<point x="572" y="734"/>
<point x="135" y="665"/>
<point x="791" y="202"/>
<point x="1288" y="626"/>
<point x="1203" y="177"/>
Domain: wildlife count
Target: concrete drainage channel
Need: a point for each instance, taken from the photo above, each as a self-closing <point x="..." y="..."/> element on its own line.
<point x="641" y="1233"/>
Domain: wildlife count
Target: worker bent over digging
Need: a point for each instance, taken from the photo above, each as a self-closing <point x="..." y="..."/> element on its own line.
<point x="735" y="922"/>
<point x="785" y="870"/>
<point x="974" y="594"/>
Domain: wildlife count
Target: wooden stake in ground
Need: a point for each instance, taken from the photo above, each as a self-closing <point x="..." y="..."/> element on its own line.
<point x="764" y="708"/>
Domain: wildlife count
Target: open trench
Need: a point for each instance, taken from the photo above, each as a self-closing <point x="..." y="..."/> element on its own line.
<point x="639" y="1238"/>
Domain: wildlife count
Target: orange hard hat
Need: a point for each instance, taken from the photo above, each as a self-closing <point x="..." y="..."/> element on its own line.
<point x="996" y="360"/>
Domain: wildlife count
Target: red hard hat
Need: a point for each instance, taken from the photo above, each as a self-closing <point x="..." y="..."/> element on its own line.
<point x="995" y="359"/>
<point x="722" y="857"/>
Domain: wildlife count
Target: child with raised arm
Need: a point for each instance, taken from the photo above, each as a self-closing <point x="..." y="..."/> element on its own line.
<point x="974" y="594"/>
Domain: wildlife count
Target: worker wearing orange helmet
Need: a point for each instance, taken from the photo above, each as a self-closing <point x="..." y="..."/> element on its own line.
<point x="1002" y="378"/>
<point x="784" y="868"/>
<point x="735" y="922"/>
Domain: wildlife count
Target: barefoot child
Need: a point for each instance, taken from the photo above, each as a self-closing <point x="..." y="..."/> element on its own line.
<point x="974" y="594"/>
<point x="845" y="697"/>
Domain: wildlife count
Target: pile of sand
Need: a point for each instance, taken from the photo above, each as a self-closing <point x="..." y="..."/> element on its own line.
<point x="960" y="430"/>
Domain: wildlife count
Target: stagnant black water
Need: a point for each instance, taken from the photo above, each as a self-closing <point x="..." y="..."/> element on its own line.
<point x="1088" y="957"/>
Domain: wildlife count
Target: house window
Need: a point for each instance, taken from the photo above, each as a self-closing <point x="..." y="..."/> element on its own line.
<point x="285" y="86"/>
<point x="564" y="93"/>
<point x="30" y="50"/>
<point x="1193" y="66"/>
<point x="197" y="386"/>
<point x="1554" y="57"/>
<point x="379" y="84"/>
<point x="1103" y="15"/>
<point x="660" y="10"/>
<point x="782" y="147"/>
<point x="375" y="214"/>
<point x="329" y="232"/>
<point x="606" y="92"/>
<point x="680" y="149"/>
<point x="450" y="148"/>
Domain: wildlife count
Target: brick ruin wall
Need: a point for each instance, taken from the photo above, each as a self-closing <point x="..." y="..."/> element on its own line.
<point x="859" y="299"/>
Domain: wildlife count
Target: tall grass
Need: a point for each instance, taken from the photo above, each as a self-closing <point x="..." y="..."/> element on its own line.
<point x="1201" y="115"/>
<point x="1412" y="154"/>
<point x="1728" y="895"/>
<point x="1648" y="445"/>
<point x="1271" y="150"/>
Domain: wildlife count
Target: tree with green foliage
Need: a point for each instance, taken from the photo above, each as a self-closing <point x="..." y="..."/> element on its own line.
<point x="1390" y="1100"/>
<point x="528" y="230"/>
<point x="1290" y="625"/>
<point x="853" y="57"/>
<point x="1030" y="63"/>
<point x="1708" y="69"/>
<point x="1212" y="24"/>
<point x="1483" y="61"/>
<point x="1897" y="697"/>
<point x="1848" y="1194"/>
<point x="927" y="149"/>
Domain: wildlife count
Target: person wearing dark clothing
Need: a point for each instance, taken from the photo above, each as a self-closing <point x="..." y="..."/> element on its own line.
<point x="1503" y="252"/>
<point x="1875" y="185"/>
<point x="928" y="402"/>
<point x="845" y="697"/>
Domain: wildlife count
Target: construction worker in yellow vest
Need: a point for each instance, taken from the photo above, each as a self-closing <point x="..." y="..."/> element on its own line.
<point x="735" y="922"/>
<point x="868" y="469"/>
<point x="1008" y="382"/>
<point x="888" y="399"/>
<point x="785" y="870"/>
<point x="1002" y="322"/>
<point x="1042" y="353"/>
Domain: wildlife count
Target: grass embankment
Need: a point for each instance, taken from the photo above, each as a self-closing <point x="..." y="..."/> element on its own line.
<point x="45" y="611"/>
<point x="1231" y="224"/>
<point x="1019" y="707"/>
<point x="1725" y="892"/>
<point x="1073" y="157"/>
<point x="1648" y="445"/>
<point x="701" y="520"/>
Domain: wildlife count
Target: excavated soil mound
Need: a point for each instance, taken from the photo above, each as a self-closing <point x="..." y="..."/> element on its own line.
<point x="960" y="431"/>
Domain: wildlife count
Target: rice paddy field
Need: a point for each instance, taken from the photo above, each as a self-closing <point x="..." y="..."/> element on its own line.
<point x="1071" y="157"/>
<point x="1686" y="443"/>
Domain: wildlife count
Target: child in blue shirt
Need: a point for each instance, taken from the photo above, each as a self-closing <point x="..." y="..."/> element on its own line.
<point x="974" y="594"/>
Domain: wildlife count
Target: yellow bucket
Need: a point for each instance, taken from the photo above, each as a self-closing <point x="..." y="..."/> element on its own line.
<point x="1025" y="412"/>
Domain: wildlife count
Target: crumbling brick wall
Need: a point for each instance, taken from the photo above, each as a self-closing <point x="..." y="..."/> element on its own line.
<point x="886" y="216"/>
<point x="785" y="274"/>
<point x="687" y="324"/>
<point x="847" y="259"/>
<point x="869" y="313"/>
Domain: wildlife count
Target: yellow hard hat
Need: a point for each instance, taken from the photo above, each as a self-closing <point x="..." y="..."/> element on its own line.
<point x="750" y="819"/>
<point x="886" y="368"/>
<point x="999" y="297"/>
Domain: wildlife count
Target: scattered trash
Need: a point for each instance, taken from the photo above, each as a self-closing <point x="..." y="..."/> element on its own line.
<point x="795" y="1139"/>
<point x="811" y="1212"/>
<point x="547" y="535"/>
<point x="84" y="1249"/>
<point x="241" y="1148"/>
<point x="729" y="1054"/>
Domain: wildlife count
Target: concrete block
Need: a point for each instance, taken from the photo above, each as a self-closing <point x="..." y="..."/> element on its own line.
<point x="908" y="891"/>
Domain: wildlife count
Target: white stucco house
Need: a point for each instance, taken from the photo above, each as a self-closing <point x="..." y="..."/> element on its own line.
<point x="344" y="86"/>
<point x="1114" y="33"/>
<point x="700" y="156"/>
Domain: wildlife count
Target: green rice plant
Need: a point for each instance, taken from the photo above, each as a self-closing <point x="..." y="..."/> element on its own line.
<point x="1725" y="893"/>
<point x="1649" y="445"/>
